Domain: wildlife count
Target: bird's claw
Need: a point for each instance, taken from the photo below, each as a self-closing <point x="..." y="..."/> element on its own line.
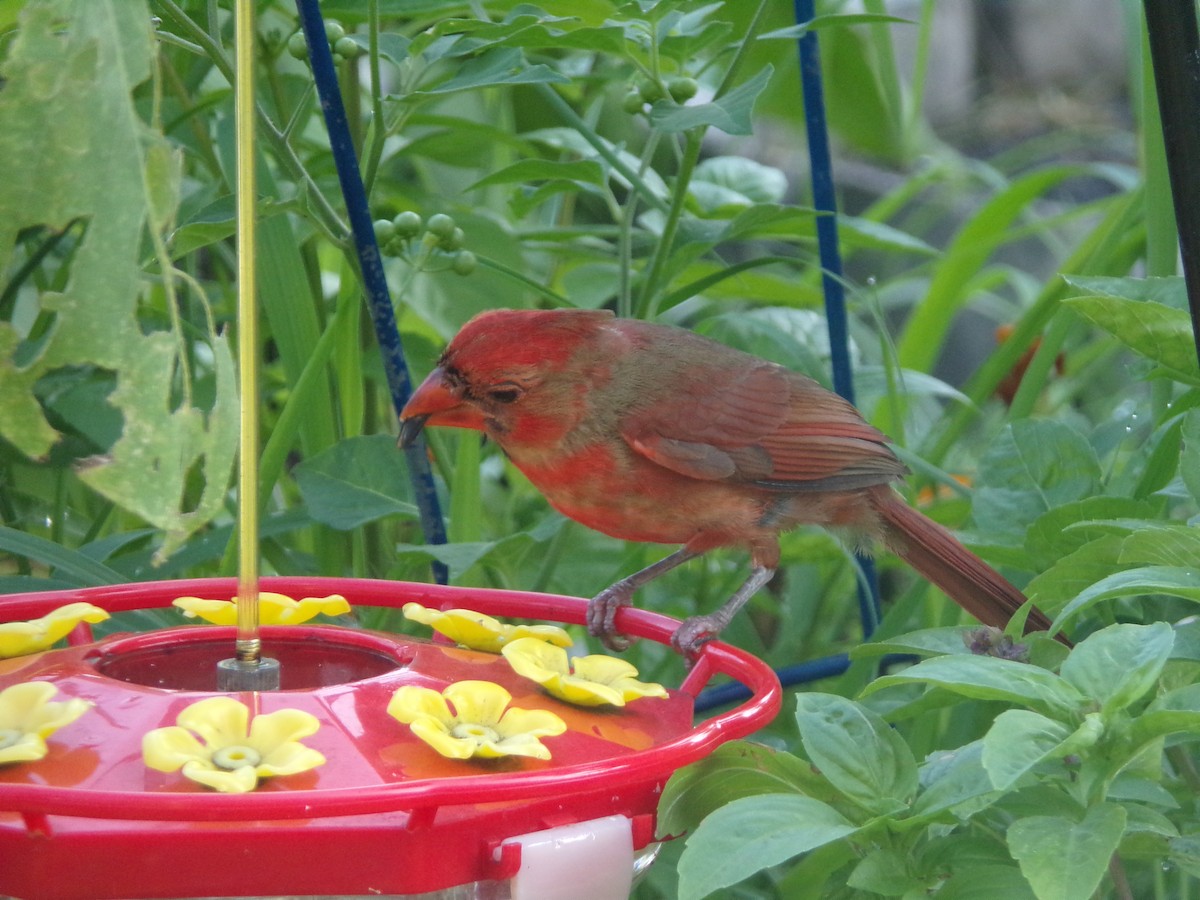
<point x="602" y="617"/>
<point x="693" y="634"/>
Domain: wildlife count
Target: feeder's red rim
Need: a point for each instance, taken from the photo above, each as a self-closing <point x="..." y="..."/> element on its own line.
<point x="637" y="768"/>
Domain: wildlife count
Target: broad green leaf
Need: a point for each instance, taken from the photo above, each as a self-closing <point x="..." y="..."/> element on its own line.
<point x="861" y="755"/>
<point x="954" y="782"/>
<point x="927" y="642"/>
<point x="1032" y="467"/>
<point x="1172" y="580"/>
<point x="735" y="181"/>
<point x="748" y="835"/>
<point x="884" y="871"/>
<point x="1017" y="741"/>
<point x="989" y="678"/>
<point x="355" y="481"/>
<point x="985" y="882"/>
<point x="504" y="65"/>
<point x="460" y="557"/>
<point x="1119" y="664"/>
<point x="729" y="113"/>
<point x="1074" y="573"/>
<point x="1189" y="460"/>
<point x="1065" y="860"/>
<point x="1069" y="526"/>
<point x="734" y="770"/>
<point x="1158" y="332"/>
<point x="66" y="113"/>
<point x="1160" y="543"/>
<point x="1185" y="853"/>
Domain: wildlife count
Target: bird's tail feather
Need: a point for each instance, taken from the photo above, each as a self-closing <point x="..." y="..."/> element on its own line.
<point x="940" y="557"/>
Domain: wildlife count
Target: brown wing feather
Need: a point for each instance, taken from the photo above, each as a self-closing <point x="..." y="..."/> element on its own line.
<point x="722" y="415"/>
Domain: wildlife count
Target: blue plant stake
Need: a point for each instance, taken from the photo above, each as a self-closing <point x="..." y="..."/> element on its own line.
<point x="371" y="264"/>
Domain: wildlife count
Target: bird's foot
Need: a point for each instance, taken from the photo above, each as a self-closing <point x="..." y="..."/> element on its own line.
<point x="694" y="633"/>
<point x="602" y="616"/>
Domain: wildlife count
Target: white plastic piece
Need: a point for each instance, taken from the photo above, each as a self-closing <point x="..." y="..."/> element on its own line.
<point x="586" y="861"/>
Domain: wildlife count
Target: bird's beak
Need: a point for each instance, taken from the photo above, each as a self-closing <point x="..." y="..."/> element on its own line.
<point x="434" y="403"/>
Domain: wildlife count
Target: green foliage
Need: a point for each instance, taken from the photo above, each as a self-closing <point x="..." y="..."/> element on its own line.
<point x="637" y="155"/>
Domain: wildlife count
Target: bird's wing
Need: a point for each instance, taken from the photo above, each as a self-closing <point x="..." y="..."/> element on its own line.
<point x="764" y="425"/>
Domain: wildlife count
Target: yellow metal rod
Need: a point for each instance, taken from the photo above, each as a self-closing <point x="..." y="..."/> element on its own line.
<point x="248" y="644"/>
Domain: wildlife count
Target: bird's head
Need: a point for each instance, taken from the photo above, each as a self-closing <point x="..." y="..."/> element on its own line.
<point x="507" y="373"/>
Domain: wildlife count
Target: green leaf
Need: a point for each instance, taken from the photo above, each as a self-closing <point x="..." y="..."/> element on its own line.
<point x="355" y="481"/>
<point x="460" y="557"/>
<point x="1065" y="860"/>
<point x="1134" y="312"/>
<point x="750" y="834"/>
<point x="861" y="755"/>
<point x="66" y="113"/>
<point x="989" y="678"/>
<point x="1189" y="460"/>
<point x="730" y="113"/>
<point x="1065" y="528"/>
<point x="505" y="65"/>
<point x="1172" y="580"/>
<point x="884" y="871"/>
<point x="734" y="770"/>
<point x="1119" y="664"/>
<point x="926" y="642"/>
<point x="954" y="782"/>
<point x="76" y="567"/>
<point x="1017" y="741"/>
<point x="735" y="181"/>
<point x="577" y="172"/>
<point x="1076" y="572"/>
<point x="1032" y="467"/>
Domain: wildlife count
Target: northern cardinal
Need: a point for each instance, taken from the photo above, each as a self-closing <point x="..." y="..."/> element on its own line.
<point x="649" y="432"/>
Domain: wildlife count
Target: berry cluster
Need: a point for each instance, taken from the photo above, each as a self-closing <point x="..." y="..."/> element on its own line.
<point x="342" y="46"/>
<point x="441" y="234"/>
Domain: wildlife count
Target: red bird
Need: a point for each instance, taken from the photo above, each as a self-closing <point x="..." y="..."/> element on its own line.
<point x="649" y="432"/>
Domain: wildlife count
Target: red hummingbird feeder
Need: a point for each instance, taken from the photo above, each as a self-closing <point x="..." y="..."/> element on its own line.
<point x="385" y="814"/>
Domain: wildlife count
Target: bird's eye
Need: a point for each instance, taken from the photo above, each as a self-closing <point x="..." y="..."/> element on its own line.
<point x="505" y="393"/>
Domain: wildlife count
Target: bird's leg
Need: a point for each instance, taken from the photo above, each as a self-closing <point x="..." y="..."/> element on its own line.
<point x="698" y="630"/>
<point x="602" y="609"/>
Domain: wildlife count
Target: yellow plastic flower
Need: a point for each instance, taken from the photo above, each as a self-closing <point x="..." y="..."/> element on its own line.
<point x="592" y="681"/>
<point x="28" y="717"/>
<point x="480" y="632"/>
<point x="273" y="609"/>
<point x="479" y="724"/>
<point x="227" y="756"/>
<point x="21" y="638"/>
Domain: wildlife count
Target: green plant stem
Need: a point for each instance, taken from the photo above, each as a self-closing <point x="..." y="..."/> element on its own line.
<point x="649" y="301"/>
<point x="377" y="132"/>
<point x="560" y="108"/>
<point x="326" y="218"/>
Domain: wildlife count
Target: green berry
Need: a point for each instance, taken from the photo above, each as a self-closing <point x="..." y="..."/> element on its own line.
<point x="633" y="102"/>
<point x="347" y="47"/>
<point x="682" y="88"/>
<point x="440" y="225"/>
<point x="297" y="46"/>
<point x="407" y="224"/>
<point x="334" y="31"/>
<point x="454" y="240"/>
<point x="464" y="262"/>
<point x="651" y="91"/>
<point x="384" y="231"/>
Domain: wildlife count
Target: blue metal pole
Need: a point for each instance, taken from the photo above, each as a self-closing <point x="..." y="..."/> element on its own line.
<point x="371" y="264"/>
<point x="825" y="202"/>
